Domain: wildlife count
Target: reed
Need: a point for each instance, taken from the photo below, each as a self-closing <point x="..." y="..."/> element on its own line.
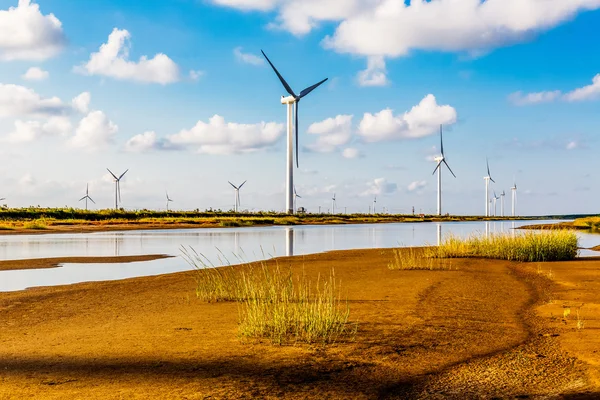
<point x="553" y="245"/>
<point x="274" y="303"/>
<point x="417" y="258"/>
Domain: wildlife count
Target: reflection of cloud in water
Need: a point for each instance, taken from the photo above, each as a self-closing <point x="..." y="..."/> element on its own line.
<point x="235" y="244"/>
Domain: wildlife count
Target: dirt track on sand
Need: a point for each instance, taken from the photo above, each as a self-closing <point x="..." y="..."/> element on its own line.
<point x="471" y="332"/>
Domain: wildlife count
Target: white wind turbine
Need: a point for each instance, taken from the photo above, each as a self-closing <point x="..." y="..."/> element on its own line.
<point x="237" y="195"/>
<point x="86" y="197"/>
<point x="168" y="199"/>
<point x="514" y="198"/>
<point x="494" y="199"/>
<point x="117" y="187"/>
<point x="333" y="204"/>
<point x="487" y="179"/>
<point x="296" y="196"/>
<point x="374" y="204"/>
<point x="441" y="159"/>
<point x="292" y="102"/>
<point x="502" y="202"/>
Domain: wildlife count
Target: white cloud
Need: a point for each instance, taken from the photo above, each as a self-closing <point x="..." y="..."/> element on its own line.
<point x="35" y="74"/>
<point x="28" y="131"/>
<point x="247" y="58"/>
<point x="416" y="185"/>
<point x="94" y="131"/>
<point x="351" y="152"/>
<point x="27" y="180"/>
<point x="247" y="5"/>
<point x="375" y="74"/>
<point x="144" y="142"/>
<point x="81" y="102"/>
<point x="392" y="28"/>
<point x="113" y="60"/>
<point x="220" y="137"/>
<point x="521" y="99"/>
<point x="18" y="100"/>
<point x="332" y="133"/>
<point x="27" y="34"/>
<point x="195" y="75"/>
<point x="379" y="186"/>
<point x="589" y="92"/>
<point x="422" y="120"/>
<point x="572" y="145"/>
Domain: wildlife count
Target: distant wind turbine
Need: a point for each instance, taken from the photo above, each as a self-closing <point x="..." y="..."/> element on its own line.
<point x="374" y="203"/>
<point x="502" y="202"/>
<point x="86" y="197"/>
<point x="333" y="204"/>
<point x="237" y="195"/>
<point x="168" y="200"/>
<point x="292" y="102"/>
<point x="514" y="198"/>
<point x="117" y="187"/>
<point x="296" y="196"/>
<point x="441" y="159"/>
<point x="495" y="198"/>
<point x="487" y="179"/>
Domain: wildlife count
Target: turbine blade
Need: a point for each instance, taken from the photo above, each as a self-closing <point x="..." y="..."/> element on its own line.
<point x="114" y="176"/>
<point x="297" y="162"/>
<point x="242" y="185"/>
<point x="123" y="174"/>
<point x="311" y="88"/>
<point x="91" y="200"/>
<point x="232" y="185"/>
<point x="83" y="198"/>
<point x="298" y="196"/>
<point x="437" y="167"/>
<point x="449" y="169"/>
<point x="488" y="167"/>
<point x="441" y="141"/>
<point x="283" y="82"/>
<point x="492" y="179"/>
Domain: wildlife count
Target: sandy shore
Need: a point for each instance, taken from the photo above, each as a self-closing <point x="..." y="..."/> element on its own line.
<point x="483" y="329"/>
<point x="38" y="263"/>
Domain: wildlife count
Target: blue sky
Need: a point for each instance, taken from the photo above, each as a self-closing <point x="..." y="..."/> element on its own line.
<point x="510" y="79"/>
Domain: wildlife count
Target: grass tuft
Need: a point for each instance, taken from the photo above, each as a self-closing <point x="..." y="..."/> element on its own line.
<point x="553" y="245"/>
<point x="417" y="258"/>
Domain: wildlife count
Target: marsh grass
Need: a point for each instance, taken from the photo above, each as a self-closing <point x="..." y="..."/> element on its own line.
<point x="36" y="224"/>
<point x="417" y="258"/>
<point x="274" y="303"/>
<point x="553" y="245"/>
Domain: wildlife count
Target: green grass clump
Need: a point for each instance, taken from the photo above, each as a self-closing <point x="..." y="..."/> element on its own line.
<point x="415" y="258"/>
<point x="36" y="224"/>
<point x="553" y="245"/>
<point x="276" y="304"/>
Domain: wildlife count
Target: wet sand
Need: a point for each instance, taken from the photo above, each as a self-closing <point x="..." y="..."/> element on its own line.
<point x="38" y="263"/>
<point x="483" y="329"/>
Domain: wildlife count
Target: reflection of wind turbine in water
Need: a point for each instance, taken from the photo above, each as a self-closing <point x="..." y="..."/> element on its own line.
<point x="439" y="234"/>
<point x="86" y="197"/>
<point x="117" y="244"/>
<point x="487" y="229"/>
<point x="289" y="241"/>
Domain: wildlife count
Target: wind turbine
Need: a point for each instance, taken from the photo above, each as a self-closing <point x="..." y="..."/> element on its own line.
<point x="441" y="159"/>
<point x="237" y="195"/>
<point x="502" y="202"/>
<point x="333" y="204"/>
<point x="495" y="198"/>
<point x="117" y="187"/>
<point x="292" y="102"/>
<point x="374" y="203"/>
<point x="296" y="196"/>
<point x="86" y="197"/>
<point x="514" y="198"/>
<point x="168" y="199"/>
<point x="487" y="179"/>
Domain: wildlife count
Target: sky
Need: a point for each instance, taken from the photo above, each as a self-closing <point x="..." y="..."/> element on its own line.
<point x="179" y="94"/>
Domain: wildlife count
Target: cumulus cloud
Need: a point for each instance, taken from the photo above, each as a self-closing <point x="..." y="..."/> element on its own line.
<point x="220" y="137"/>
<point x="81" y="102"/>
<point x="522" y="99"/>
<point x="112" y="60"/>
<point x="94" y="131"/>
<point x="332" y="133"/>
<point x="351" y="153"/>
<point x="29" y="131"/>
<point x="380" y="186"/>
<point x="247" y="58"/>
<point x="27" y="34"/>
<point x="422" y="120"/>
<point x="35" y="74"/>
<point x="393" y="28"/>
<point x="145" y="142"/>
<point x="18" y="100"/>
<point x="589" y="92"/>
<point x="416" y="186"/>
<point x="375" y="74"/>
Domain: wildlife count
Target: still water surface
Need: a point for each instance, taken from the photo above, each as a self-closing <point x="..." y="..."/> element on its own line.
<point x="219" y="246"/>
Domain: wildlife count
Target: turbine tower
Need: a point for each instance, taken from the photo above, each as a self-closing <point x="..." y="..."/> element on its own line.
<point x="514" y="198"/>
<point x="374" y="204"/>
<point x="86" y="197"/>
<point x="168" y="199"/>
<point x="494" y="199"/>
<point x="117" y="187"/>
<point x="237" y="196"/>
<point x="502" y="202"/>
<point x="292" y="102"/>
<point x="333" y="204"/>
<point x="487" y="180"/>
<point x="296" y="196"/>
<point x="441" y="159"/>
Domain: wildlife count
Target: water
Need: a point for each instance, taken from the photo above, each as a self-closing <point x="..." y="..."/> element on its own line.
<point x="220" y="246"/>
